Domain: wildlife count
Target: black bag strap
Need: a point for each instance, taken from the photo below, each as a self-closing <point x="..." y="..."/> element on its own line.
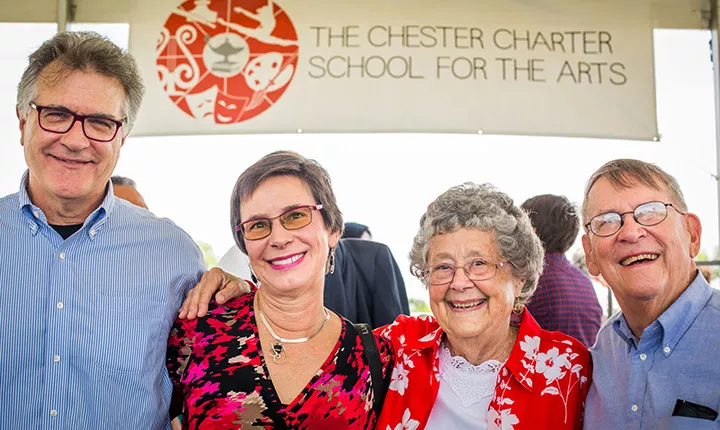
<point x="373" y="357"/>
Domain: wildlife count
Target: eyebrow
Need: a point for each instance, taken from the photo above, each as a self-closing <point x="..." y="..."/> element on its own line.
<point x="95" y="115"/>
<point x="605" y="211"/>
<point x="471" y="254"/>
<point x="283" y="210"/>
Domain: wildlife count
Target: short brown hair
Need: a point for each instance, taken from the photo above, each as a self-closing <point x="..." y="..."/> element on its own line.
<point x="555" y="220"/>
<point x="286" y="163"/>
<point x="624" y="173"/>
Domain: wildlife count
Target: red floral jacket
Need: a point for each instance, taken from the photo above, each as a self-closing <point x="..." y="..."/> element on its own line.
<point x="543" y="383"/>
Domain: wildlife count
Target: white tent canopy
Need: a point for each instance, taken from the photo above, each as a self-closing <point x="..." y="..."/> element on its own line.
<point x="680" y="14"/>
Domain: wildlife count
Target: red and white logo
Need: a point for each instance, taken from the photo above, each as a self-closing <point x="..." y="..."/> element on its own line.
<point x="226" y="61"/>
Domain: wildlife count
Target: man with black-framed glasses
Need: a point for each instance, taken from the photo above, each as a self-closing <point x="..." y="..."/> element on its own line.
<point x="655" y="364"/>
<point x="89" y="284"/>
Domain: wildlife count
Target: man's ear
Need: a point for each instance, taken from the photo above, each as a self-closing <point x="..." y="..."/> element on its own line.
<point x="125" y="135"/>
<point x="694" y="231"/>
<point x="22" y="121"/>
<point x="589" y="258"/>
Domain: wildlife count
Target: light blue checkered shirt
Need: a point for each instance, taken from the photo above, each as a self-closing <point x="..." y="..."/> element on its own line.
<point x="84" y="322"/>
<point x="635" y="384"/>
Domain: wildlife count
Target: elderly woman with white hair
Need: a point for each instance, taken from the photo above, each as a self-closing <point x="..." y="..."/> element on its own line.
<point x="482" y="361"/>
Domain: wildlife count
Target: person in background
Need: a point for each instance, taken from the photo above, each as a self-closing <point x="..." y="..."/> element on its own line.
<point x="655" y="363"/>
<point x="707" y="273"/>
<point x="125" y="188"/>
<point x="605" y="296"/>
<point x="277" y="357"/>
<point x="355" y="230"/>
<point x="84" y="347"/>
<point x="565" y="299"/>
<point x="236" y="262"/>
<point x="367" y="286"/>
<point x="482" y="361"/>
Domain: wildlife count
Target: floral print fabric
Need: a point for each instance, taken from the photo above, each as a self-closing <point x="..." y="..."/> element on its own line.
<point x="543" y="384"/>
<point x="219" y="373"/>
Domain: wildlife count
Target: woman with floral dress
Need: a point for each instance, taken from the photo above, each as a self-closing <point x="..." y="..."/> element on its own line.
<point x="482" y="361"/>
<point x="277" y="358"/>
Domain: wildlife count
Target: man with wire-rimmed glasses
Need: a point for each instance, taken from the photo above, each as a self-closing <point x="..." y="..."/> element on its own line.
<point x="656" y="363"/>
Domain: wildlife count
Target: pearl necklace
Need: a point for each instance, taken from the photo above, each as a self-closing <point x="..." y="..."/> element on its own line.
<point x="278" y="350"/>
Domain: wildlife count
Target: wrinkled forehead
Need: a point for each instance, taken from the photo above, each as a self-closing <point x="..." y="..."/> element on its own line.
<point x="622" y="193"/>
<point x="54" y="73"/>
<point x="106" y="91"/>
<point x="463" y="243"/>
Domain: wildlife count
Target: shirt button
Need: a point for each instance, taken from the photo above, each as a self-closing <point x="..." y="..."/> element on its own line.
<point x="59" y="305"/>
<point x="62" y="255"/>
<point x="36" y="214"/>
<point x="634" y="408"/>
<point x="666" y="350"/>
<point x="56" y="358"/>
<point x="92" y="232"/>
<point x="643" y="357"/>
<point x="53" y="413"/>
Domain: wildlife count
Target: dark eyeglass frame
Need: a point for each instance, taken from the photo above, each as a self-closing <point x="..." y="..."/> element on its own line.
<point x="239" y="228"/>
<point x="425" y="275"/>
<point x="635" y="215"/>
<point x="77" y="117"/>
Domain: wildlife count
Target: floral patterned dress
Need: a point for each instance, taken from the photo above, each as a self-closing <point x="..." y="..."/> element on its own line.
<point x="542" y="385"/>
<point x="220" y="378"/>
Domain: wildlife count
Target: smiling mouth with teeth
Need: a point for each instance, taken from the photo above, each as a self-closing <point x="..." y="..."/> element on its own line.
<point x="466" y="305"/>
<point x="639" y="258"/>
<point x="290" y="260"/>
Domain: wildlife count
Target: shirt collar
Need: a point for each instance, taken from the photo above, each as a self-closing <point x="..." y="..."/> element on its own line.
<point x="528" y="340"/>
<point x="35" y="216"/>
<point x="675" y="321"/>
<point x="525" y="350"/>
<point x="621" y="327"/>
<point x="24" y="196"/>
<point x="431" y="340"/>
<point x="678" y="318"/>
<point x="554" y="258"/>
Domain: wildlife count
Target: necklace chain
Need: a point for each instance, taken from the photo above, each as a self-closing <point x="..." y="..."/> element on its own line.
<point x="278" y="349"/>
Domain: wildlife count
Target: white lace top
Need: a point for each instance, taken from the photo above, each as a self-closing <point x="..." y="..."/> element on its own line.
<point x="465" y="392"/>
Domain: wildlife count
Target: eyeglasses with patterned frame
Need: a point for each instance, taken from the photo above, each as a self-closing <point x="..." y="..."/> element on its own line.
<point x="476" y="270"/>
<point x="60" y="120"/>
<point x="292" y="219"/>
<point x="647" y="214"/>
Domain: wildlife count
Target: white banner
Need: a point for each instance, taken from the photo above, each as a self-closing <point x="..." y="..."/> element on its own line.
<point x="540" y="67"/>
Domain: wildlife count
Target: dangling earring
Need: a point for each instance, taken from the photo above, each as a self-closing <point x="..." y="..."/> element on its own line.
<point x="518" y="307"/>
<point x="253" y="278"/>
<point x="332" y="261"/>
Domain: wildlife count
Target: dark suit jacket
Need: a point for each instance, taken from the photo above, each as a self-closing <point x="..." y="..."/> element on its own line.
<point x="367" y="286"/>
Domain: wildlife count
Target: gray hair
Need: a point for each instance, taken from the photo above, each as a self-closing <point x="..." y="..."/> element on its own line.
<point x="286" y="163"/>
<point x="625" y="173"/>
<point x="483" y="207"/>
<point x="83" y="51"/>
<point x="122" y="180"/>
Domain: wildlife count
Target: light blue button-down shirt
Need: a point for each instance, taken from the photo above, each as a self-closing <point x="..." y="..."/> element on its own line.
<point x="84" y="322"/>
<point x="636" y="383"/>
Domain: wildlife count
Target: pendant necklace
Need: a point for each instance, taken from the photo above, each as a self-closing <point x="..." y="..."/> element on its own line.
<point x="279" y="354"/>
